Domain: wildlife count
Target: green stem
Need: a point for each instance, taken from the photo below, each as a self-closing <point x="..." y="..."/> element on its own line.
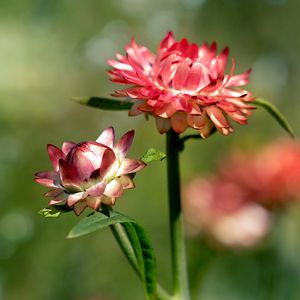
<point x="179" y="267"/>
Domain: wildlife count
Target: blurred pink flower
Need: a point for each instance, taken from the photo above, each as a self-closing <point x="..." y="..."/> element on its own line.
<point x="90" y="173"/>
<point x="235" y="207"/>
<point x="183" y="85"/>
<point x="270" y="177"/>
<point x="220" y="210"/>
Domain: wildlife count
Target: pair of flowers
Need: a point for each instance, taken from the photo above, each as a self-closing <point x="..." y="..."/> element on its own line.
<point x="182" y="86"/>
<point x="236" y="208"/>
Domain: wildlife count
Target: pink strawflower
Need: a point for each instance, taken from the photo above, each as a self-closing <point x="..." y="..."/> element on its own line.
<point x="270" y="176"/>
<point x="183" y="85"/>
<point x="90" y="173"/>
<point x="235" y="207"/>
<point x="221" y="210"/>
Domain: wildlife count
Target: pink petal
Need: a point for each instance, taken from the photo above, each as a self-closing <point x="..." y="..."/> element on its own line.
<point x="197" y="121"/>
<point x="109" y="164"/>
<point x="107" y="137"/>
<point x="79" y="207"/>
<point x="164" y="110"/>
<point x="74" y="198"/>
<point x="130" y="165"/>
<point x="179" y="122"/>
<point x="206" y="130"/>
<point x="83" y="160"/>
<point x="113" y="189"/>
<point x="66" y="147"/>
<point x="108" y="200"/>
<point x="167" y="41"/>
<point x="126" y="182"/>
<point x="181" y="75"/>
<point x="168" y="70"/>
<point x="194" y="77"/>
<point x="55" y="154"/>
<point x="217" y="116"/>
<point x="49" y="179"/>
<point x="163" y="125"/>
<point x="69" y="179"/>
<point x="93" y="202"/>
<point x="134" y="110"/>
<point x="97" y="189"/>
<point x="118" y="65"/>
<point x="53" y="193"/>
<point x="55" y="202"/>
<point x="62" y="197"/>
<point x="124" y="144"/>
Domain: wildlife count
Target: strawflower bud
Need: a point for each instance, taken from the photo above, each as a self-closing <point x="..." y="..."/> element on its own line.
<point x="89" y="174"/>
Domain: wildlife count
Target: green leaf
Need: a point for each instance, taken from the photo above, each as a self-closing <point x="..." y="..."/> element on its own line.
<point x="152" y="155"/>
<point x="273" y="110"/>
<point x="145" y="261"/>
<point x="149" y="260"/>
<point x="54" y="211"/>
<point x="132" y="239"/>
<point x="104" y="103"/>
<point x="97" y="221"/>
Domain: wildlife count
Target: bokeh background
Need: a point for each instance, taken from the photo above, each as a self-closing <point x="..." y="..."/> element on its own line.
<point x="53" y="50"/>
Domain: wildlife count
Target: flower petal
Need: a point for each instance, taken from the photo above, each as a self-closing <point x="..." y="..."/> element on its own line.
<point x="66" y="147"/>
<point x="55" y="154"/>
<point x="107" y="137"/>
<point x="130" y="165"/>
<point x="108" y="200"/>
<point x="93" y="202"/>
<point x="74" y="198"/>
<point x="49" y="179"/>
<point x="124" y="144"/>
<point x="126" y="182"/>
<point x="179" y="122"/>
<point x="97" y="189"/>
<point x="79" y="207"/>
<point x="163" y="125"/>
<point x="181" y="75"/>
<point x="113" y="189"/>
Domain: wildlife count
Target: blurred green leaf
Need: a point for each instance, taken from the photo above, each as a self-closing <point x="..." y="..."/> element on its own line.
<point x="54" y="211"/>
<point x="152" y="155"/>
<point x="97" y="221"/>
<point x="273" y="110"/>
<point x="104" y="103"/>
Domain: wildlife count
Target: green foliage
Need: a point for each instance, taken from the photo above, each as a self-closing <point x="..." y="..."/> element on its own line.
<point x="273" y="110"/>
<point x="132" y="239"/>
<point x="54" y="211"/>
<point x="152" y="155"/>
<point x="104" y="103"/>
<point x="96" y="221"/>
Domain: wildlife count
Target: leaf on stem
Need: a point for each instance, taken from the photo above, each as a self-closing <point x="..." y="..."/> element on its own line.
<point x="152" y="155"/>
<point x="273" y="110"/>
<point x="97" y="221"/>
<point x="133" y="240"/>
<point x="104" y="103"/>
<point x="54" y="211"/>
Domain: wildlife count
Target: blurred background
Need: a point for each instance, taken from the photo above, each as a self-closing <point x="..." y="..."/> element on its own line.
<point x="53" y="50"/>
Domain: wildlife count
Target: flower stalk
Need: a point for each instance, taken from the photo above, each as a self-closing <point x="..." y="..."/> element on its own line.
<point x="178" y="256"/>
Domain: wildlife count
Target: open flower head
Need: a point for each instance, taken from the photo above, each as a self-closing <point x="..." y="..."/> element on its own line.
<point x="90" y="173"/>
<point x="222" y="211"/>
<point x="183" y="85"/>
